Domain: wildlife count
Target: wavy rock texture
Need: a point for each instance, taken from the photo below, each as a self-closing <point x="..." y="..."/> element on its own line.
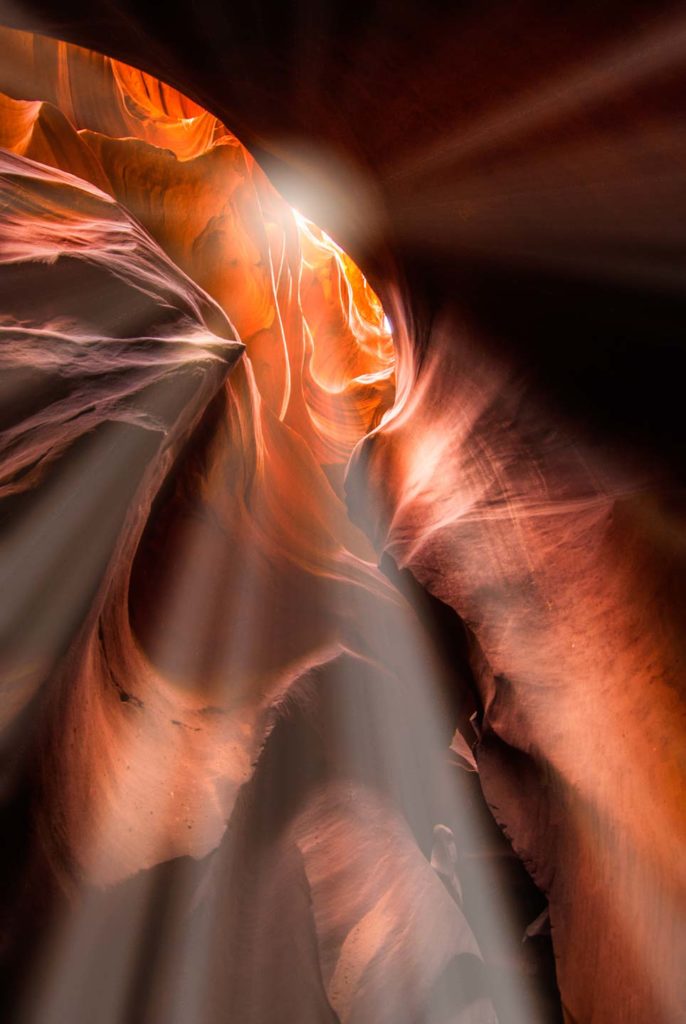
<point x="541" y="548"/>
<point x="229" y="668"/>
<point x="182" y="562"/>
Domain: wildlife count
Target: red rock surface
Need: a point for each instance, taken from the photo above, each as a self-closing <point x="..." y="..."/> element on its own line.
<point x="186" y="579"/>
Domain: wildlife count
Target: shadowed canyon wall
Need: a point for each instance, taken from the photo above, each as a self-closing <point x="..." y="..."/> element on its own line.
<point x="213" y="433"/>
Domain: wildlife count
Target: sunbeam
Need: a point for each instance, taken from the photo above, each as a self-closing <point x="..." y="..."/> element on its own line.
<point x="339" y="664"/>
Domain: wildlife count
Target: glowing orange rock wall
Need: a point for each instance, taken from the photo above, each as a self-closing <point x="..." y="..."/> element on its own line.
<point x="189" y="364"/>
<point x="319" y="373"/>
<point x="565" y="568"/>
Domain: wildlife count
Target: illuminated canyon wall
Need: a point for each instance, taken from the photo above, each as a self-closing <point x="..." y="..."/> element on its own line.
<point x="339" y="656"/>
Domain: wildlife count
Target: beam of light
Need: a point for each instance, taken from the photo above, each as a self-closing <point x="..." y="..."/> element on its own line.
<point x="531" y="539"/>
<point x="607" y="76"/>
<point x="239" y="594"/>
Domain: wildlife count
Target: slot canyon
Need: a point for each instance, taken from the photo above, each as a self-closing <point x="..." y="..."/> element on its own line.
<point x="343" y="521"/>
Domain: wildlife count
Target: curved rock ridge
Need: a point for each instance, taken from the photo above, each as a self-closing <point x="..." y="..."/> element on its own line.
<point x="511" y="178"/>
<point x="262" y="440"/>
<point x="187" y="365"/>
<point x="297" y="301"/>
<point x="566" y="566"/>
<point x="102" y="337"/>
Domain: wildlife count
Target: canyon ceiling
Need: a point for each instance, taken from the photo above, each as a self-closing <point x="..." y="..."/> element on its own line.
<point x="343" y="523"/>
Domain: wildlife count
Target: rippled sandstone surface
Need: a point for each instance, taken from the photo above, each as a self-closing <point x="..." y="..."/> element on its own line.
<point x="190" y="578"/>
